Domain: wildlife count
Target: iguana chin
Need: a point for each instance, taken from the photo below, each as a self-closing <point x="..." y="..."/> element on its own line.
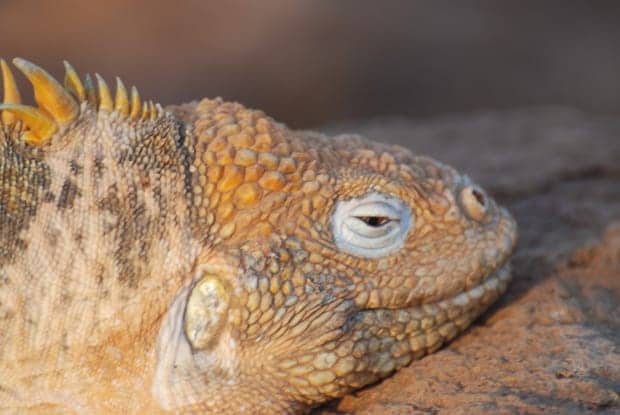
<point x="204" y="258"/>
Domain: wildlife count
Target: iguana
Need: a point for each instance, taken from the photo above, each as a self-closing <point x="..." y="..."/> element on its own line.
<point x="204" y="258"/>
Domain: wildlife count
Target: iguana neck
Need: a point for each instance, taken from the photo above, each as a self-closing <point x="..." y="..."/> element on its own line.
<point x="94" y="228"/>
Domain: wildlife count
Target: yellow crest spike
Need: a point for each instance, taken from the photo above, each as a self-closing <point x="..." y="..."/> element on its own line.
<point x="152" y="110"/>
<point x="89" y="87"/>
<point x="160" y="110"/>
<point x="48" y="93"/>
<point x="105" y="97"/>
<point x="136" y="105"/>
<point x="122" y="99"/>
<point x="11" y="92"/>
<point x="73" y="82"/>
<point x="41" y="126"/>
<point x="145" y="110"/>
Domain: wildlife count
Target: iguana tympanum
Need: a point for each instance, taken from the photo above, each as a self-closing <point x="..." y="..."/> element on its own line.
<point x="204" y="258"/>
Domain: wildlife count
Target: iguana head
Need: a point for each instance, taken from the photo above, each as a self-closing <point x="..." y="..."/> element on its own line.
<point x="331" y="262"/>
<point x="317" y="265"/>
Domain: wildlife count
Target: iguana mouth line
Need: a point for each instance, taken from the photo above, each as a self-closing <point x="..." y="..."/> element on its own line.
<point x="494" y="282"/>
<point x="446" y="317"/>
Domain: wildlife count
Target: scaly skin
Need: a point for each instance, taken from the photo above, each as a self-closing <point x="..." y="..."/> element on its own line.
<point x="186" y="263"/>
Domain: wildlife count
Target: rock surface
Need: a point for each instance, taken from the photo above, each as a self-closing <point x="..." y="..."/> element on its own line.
<point x="552" y="343"/>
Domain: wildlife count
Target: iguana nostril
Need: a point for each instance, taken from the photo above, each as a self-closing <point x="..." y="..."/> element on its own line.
<point x="474" y="202"/>
<point x="479" y="196"/>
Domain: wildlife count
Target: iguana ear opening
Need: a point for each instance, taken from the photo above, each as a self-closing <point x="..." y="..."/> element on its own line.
<point x="194" y="347"/>
<point x="206" y="312"/>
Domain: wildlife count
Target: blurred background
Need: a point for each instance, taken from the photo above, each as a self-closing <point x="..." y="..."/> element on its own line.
<point x="311" y="63"/>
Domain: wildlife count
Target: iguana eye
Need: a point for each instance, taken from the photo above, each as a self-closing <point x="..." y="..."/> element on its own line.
<point x="374" y="221"/>
<point x="372" y="226"/>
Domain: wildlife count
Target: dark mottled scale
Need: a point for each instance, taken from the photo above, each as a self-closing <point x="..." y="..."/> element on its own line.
<point x="24" y="180"/>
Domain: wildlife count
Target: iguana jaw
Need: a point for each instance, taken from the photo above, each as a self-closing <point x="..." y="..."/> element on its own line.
<point x="383" y="340"/>
<point x="450" y="315"/>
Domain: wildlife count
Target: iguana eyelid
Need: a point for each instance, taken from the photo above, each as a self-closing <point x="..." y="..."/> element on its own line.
<point x="358" y="238"/>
